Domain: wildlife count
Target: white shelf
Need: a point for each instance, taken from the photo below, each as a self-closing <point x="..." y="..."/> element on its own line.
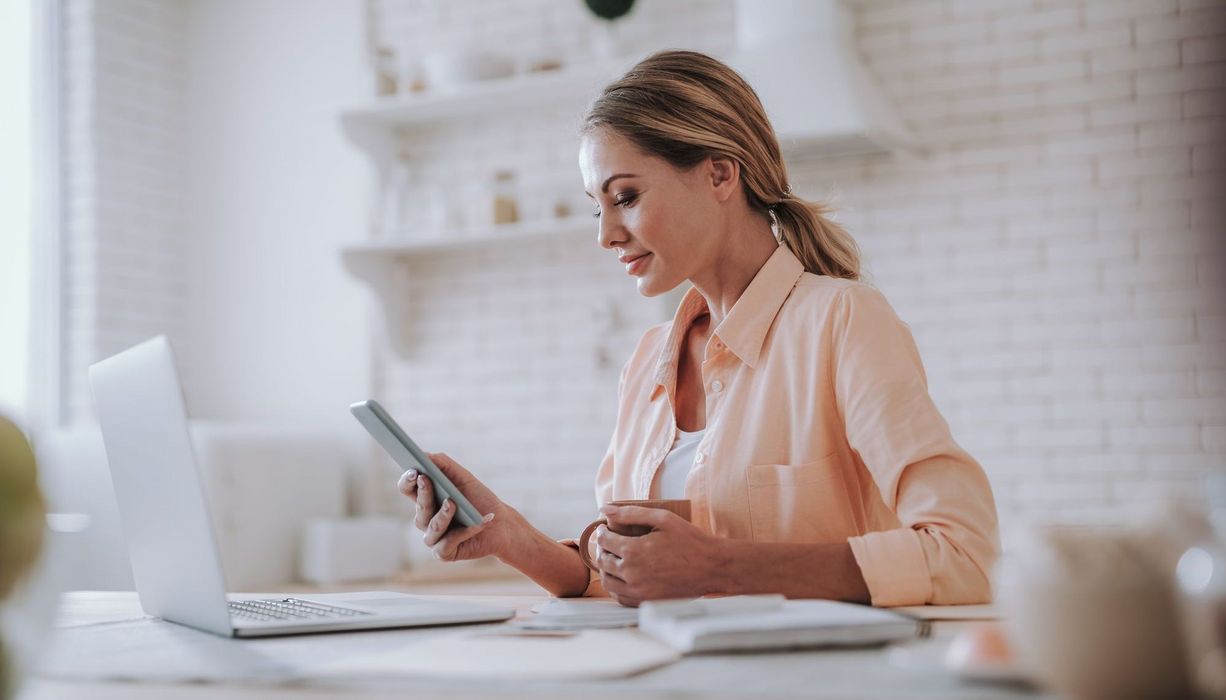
<point x="485" y="97"/>
<point x="381" y="264"/>
<point x="421" y="243"/>
<point x="373" y="126"/>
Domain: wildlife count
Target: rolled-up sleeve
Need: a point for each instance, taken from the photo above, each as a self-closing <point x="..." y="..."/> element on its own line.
<point x="949" y="541"/>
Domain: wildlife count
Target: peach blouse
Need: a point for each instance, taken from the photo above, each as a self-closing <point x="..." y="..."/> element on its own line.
<point x="819" y="429"/>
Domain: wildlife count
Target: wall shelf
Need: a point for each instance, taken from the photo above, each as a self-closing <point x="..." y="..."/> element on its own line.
<point x="373" y="126"/>
<point x="421" y="243"/>
<point x="382" y="264"/>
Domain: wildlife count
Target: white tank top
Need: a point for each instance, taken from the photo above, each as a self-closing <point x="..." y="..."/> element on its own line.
<point x="670" y="479"/>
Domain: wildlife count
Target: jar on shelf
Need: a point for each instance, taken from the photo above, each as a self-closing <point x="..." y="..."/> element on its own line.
<point x="505" y="210"/>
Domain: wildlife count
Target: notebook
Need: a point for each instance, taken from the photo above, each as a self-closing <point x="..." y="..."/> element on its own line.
<point x="750" y="623"/>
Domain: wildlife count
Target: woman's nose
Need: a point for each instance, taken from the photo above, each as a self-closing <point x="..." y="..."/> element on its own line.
<point x="607" y="232"/>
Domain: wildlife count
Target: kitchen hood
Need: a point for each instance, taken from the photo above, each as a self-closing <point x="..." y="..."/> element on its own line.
<point x="800" y="57"/>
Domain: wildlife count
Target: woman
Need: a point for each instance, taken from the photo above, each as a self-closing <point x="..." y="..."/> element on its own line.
<point x="785" y="399"/>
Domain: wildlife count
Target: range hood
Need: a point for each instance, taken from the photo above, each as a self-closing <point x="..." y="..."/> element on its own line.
<point x="799" y="56"/>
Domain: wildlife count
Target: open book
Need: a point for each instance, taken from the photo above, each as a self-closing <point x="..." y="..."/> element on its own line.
<point x="771" y="622"/>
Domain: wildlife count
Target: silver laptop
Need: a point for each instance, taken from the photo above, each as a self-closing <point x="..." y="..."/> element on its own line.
<point x="166" y="520"/>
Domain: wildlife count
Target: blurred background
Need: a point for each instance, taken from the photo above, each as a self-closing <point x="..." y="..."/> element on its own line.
<point x="322" y="201"/>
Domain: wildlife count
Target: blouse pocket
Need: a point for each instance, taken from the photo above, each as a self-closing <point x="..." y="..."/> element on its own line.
<point x="809" y="502"/>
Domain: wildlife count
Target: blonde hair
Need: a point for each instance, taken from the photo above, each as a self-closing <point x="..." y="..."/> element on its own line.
<point x="684" y="107"/>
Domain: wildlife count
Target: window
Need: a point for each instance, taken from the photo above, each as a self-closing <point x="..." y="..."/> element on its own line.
<point x="16" y="181"/>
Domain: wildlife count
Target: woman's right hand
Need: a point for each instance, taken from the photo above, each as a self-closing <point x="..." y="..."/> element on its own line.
<point x="492" y="537"/>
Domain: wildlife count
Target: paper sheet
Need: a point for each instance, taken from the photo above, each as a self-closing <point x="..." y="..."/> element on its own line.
<point x="149" y="649"/>
<point x="579" y="614"/>
<point x="590" y="654"/>
<point x="155" y="650"/>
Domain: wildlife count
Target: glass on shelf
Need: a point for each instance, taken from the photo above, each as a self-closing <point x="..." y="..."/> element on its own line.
<point x="466" y="210"/>
<point x="385" y="71"/>
<point x="392" y="204"/>
<point x="435" y="217"/>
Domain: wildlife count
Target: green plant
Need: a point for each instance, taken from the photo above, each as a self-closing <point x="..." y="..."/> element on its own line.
<point x="609" y="9"/>
<point x="22" y="521"/>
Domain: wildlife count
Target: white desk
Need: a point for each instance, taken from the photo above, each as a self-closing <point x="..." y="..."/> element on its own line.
<point x="863" y="674"/>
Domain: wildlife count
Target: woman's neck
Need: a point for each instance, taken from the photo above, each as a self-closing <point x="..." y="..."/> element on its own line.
<point x="747" y="247"/>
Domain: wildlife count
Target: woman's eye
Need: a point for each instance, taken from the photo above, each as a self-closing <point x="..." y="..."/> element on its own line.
<point x="625" y="200"/>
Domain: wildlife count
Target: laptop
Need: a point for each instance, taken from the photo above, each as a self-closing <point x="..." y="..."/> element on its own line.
<point x="166" y="521"/>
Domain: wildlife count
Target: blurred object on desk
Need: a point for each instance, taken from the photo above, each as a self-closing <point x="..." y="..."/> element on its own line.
<point x="1091" y="611"/>
<point x="35" y="554"/>
<point x="76" y="479"/>
<point x="1200" y="576"/>
<point x="982" y="652"/>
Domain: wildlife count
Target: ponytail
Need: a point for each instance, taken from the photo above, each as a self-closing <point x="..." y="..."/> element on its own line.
<point x="823" y="246"/>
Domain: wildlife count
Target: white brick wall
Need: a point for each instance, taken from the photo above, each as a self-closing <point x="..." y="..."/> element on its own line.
<point x="123" y="256"/>
<point x="1097" y="380"/>
<point x="1054" y="244"/>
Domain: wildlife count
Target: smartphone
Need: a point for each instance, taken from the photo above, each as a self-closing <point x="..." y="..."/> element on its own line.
<point x="408" y="455"/>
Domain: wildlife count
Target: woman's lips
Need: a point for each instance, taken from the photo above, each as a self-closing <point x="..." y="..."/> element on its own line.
<point x="635" y="266"/>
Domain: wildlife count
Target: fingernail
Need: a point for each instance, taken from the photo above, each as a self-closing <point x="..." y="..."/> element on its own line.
<point x="488" y="517"/>
<point x="421" y="480"/>
<point x="411" y="474"/>
<point x="448" y="505"/>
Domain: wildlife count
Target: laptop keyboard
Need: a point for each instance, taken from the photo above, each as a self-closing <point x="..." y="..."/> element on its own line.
<point x="289" y="609"/>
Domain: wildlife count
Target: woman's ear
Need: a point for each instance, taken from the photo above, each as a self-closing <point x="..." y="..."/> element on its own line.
<point x="725" y="174"/>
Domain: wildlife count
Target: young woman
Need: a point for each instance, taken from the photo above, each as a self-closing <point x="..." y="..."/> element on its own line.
<point x="785" y="399"/>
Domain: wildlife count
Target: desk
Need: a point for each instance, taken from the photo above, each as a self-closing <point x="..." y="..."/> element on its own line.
<point x="862" y="674"/>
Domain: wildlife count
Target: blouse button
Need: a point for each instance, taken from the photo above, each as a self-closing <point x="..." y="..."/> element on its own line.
<point x="717" y="385"/>
<point x="700" y="458"/>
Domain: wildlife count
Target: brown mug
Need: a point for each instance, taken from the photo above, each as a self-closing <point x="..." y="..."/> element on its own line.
<point x="678" y="506"/>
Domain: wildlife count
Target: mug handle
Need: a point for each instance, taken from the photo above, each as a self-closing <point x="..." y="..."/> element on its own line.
<point x="583" y="542"/>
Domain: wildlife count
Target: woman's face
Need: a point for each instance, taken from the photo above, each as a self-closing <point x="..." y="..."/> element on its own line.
<point x="652" y="215"/>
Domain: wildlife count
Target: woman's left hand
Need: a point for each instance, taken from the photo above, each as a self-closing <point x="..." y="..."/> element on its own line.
<point x="674" y="560"/>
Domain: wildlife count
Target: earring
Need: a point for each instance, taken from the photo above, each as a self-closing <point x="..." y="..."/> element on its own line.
<point x="776" y="229"/>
